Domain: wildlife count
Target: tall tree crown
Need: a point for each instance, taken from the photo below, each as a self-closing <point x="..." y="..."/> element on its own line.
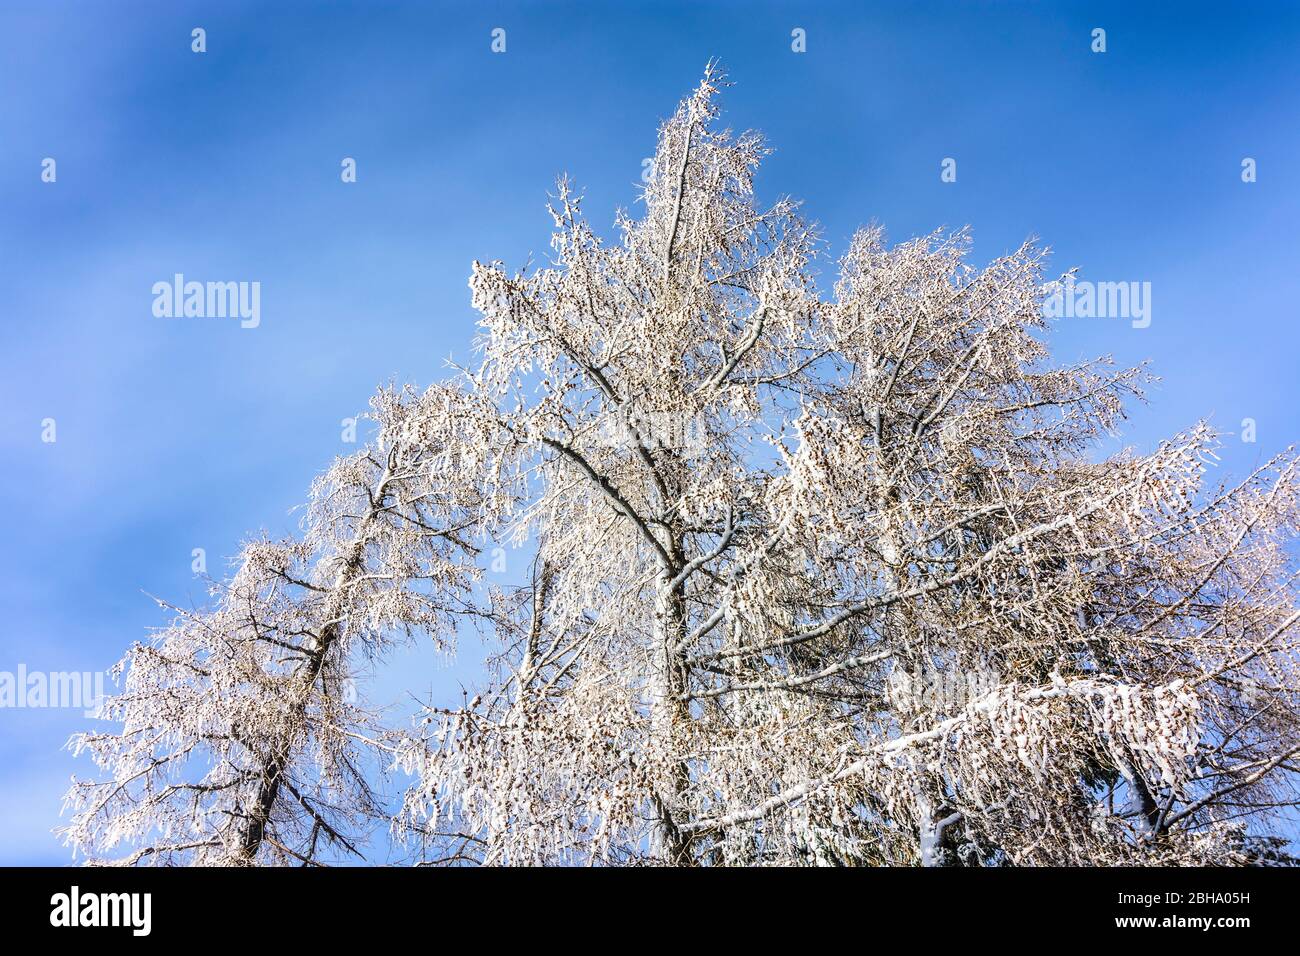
<point x="822" y="576"/>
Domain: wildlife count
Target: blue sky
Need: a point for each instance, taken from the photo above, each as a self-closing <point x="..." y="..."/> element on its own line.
<point x="179" y="434"/>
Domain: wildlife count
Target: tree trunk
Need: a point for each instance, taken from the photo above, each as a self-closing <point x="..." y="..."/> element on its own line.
<point x="669" y="714"/>
<point x="277" y="764"/>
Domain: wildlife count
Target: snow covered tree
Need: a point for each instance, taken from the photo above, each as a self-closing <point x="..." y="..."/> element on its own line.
<point x="824" y="576"/>
<point x="242" y="738"/>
